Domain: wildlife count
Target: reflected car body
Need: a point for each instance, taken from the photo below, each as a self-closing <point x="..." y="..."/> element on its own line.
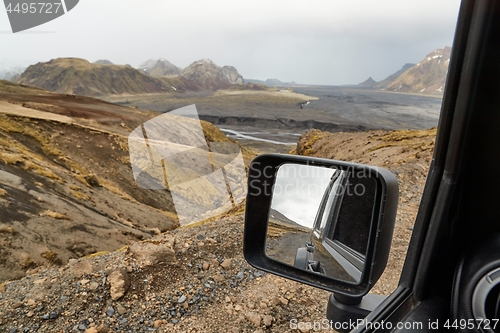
<point x="332" y="246"/>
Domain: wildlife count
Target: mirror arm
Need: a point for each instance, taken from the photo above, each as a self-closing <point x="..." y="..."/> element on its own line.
<point x="344" y="311"/>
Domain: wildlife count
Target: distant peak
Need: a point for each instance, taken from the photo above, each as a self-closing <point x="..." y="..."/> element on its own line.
<point x="103" y="62"/>
<point x="206" y="60"/>
<point x="369" y="83"/>
<point x="203" y="62"/>
<point x="68" y="60"/>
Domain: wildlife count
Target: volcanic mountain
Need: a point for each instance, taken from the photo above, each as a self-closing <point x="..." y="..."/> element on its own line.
<point x="160" y="67"/>
<point x="429" y="75"/>
<point x="369" y="83"/>
<point x="80" y="77"/>
<point x="388" y="80"/>
<point x="207" y="74"/>
<point x="103" y="62"/>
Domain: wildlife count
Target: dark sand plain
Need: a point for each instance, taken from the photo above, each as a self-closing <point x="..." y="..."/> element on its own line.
<point x="272" y="121"/>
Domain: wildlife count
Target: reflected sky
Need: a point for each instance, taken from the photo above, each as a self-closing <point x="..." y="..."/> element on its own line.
<point x="298" y="191"/>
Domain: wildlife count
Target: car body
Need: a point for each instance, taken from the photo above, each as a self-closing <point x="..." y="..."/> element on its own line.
<point x="345" y="254"/>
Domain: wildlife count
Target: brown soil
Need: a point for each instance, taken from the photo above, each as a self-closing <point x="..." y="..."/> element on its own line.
<point x="208" y="286"/>
<point x="68" y="155"/>
<point x="57" y="208"/>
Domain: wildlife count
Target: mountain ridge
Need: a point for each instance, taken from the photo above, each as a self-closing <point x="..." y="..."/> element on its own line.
<point x="388" y="80"/>
<point x="207" y="74"/>
<point x="160" y="68"/>
<point x="429" y="75"/>
<point x="369" y="83"/>
<point x="80" y="77"/>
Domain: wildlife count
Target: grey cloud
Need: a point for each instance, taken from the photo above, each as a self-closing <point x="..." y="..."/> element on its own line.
<point x="319" y="42"/>
<point x="298" y="191"/>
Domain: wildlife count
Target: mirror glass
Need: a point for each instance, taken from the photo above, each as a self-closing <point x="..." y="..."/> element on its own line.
<point x="320" y="219"/>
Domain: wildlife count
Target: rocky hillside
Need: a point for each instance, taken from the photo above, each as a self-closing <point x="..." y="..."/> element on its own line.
<point x="66" y="184"/>
<point x="206" y="73"/>
<point x="428" y="76"/>
<point x="80" y="77"/>
<point x="196" y="279"/>
<point x="388" y="80"/>
<point x="160" y="67"/>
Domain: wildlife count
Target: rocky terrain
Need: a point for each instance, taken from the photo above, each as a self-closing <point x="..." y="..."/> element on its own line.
<point x="195" y="279"/>
<point x="66" y="184"/>
<point x="80" y="77"/>
<point x="206" y="73"/>
<point x="203" y="72"/>
<point x="160" y="67"/>
<point x="388" y="80"/>
<point x="428" y="76"/>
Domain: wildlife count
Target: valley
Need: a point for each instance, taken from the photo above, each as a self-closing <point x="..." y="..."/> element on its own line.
<point x="272" y="121"/>
<point x="72" y="211"/>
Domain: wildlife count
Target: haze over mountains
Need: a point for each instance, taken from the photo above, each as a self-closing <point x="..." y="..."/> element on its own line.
<point x="80" y="77"/>
<point x="160" y="67"/>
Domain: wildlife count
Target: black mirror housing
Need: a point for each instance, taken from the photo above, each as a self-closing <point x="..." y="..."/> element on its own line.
<point x="261" y="180"/>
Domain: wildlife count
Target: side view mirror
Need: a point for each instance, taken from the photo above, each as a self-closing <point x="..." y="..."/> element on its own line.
<point x="321" y="222"/>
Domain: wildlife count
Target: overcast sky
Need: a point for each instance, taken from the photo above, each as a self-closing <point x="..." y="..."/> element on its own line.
<point x="315" y="42"/>
<point x="298" y="191"/>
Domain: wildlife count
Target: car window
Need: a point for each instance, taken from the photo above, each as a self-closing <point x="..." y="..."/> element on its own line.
<point x="328" y="205"/>
<point x="353" y="220"/>
<point x="127" y="123"/>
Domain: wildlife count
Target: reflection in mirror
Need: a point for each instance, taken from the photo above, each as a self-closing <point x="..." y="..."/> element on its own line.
<point x="320" y="219"/>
